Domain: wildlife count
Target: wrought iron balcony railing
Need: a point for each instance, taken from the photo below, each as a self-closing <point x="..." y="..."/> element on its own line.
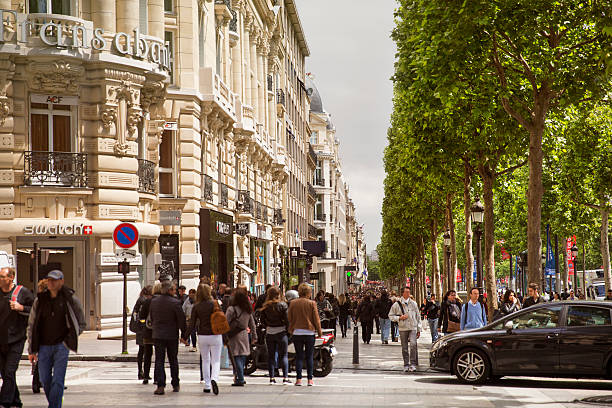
<point x="207" y="188"/>
<point x="245" y="202"/>
<point x="258" y="210"/>
<point x="311" y="191"/>
<point x="55" y="169"/>
<point x="321" y="217"/>
<point x="320" y="182"/>
<point x="265" y="216"/>
<point x="223" y="198"/>
<point x="278" y="217"/>
<point x="312" y="231"/>
<point x="146" y="176"/>
<point x="312" y="154"/>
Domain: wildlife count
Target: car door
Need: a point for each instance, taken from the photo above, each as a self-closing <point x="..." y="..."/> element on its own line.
<point x="586" y="340"/>
<point x="532" y="346"/>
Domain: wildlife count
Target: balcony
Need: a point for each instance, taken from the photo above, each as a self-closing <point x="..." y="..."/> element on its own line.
<point x="245" y="202"/>
<point x="55" y="169"/>
<point x="312" y="231"/>
<point x="278" y="217"/>
<point x="320" y="182"/>
<point x="214" y="89"/>
<point x="312" y="155"/>
<point x="146" y="177"/>
<point x="321" y="217"/>
<point x="280" y="97"/>
<point x="258" y="210"/>
<point x="311" y="191"/>
<point x="223" y="197"/>
<point x="207" y="188"/>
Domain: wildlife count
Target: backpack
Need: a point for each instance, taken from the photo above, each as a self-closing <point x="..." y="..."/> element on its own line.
<point x="482" y="310"/>
<point x="218" y="321"/>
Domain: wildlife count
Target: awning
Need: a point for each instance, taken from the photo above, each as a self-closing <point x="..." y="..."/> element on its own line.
<point x="246" y="268"/>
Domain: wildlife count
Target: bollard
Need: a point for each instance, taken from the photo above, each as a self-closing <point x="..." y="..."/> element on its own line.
<point x="355" y="343"/>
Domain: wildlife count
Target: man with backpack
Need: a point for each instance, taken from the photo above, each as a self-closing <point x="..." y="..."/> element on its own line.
<point x="473" y="314"/>
<point x="15" y="304"/>
<point x="406" y="313"/>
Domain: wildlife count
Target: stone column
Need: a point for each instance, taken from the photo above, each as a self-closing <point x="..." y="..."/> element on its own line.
<point x="261" y="112"/>
<point x="253" y="65"/>
<point x="127" y="15"/>
<point x="156" y="18"/>
<point x="103" y="14"/>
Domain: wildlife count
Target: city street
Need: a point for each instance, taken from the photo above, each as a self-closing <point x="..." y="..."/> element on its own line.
<point x="376" y="383"/>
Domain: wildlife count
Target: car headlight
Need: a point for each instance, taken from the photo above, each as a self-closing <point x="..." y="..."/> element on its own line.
<point x="439" y="344"/>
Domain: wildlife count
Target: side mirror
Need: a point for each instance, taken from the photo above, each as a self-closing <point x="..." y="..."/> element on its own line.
<point x="509" y="326"/>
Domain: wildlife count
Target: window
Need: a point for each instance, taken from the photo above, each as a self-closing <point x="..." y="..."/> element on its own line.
<point x="588" y="316"/>
<point x="544" y="318"/>
<point x="166" y="164"/>
<point x="50" y="6"/>
<point x="168" y="6"/>
<point x="169" y="40"/>
<point x="51" y="125"/>
<point x="143" y="17"/>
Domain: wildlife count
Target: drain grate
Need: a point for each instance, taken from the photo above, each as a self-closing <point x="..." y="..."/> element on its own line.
<point x="598" y="400"/>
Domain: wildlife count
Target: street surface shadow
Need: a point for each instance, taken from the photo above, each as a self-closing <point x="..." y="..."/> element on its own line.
<point x="526" y="383"/>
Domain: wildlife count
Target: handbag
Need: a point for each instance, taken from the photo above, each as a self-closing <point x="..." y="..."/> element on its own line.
<point x="218" y="321"/>
<point x="451" y="327"/>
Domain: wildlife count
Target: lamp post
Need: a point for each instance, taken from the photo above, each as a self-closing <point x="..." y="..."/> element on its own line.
<point x="543" y="272"/>
<point x="477" y="210"/>
<point x="447" y="243"/>
<point x="575" y="256"/>
<point x="523" y="261"/>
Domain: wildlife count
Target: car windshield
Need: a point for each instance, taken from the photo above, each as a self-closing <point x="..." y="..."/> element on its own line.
<point x="542" y="318"/>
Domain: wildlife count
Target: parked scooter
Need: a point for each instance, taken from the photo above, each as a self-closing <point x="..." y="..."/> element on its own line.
<point x="324" y="352"/>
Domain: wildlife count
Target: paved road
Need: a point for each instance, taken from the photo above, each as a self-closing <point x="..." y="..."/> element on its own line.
<point x="376" y="384"/>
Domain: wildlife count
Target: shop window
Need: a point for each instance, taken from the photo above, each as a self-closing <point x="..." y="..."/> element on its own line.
<point x="167" y="177"/>
<point x="169" y="40"/>
<point x="50" y="6"/>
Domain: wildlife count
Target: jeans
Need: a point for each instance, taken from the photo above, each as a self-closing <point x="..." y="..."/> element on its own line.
<point x="277" y="347"/>
<point x="367" y="327"/>
<point x="394" y="330"/>
<point x="348" y="322"/>
<point x="343" y="324"/>
<point x="304" y="349"/>
<point x="433" y="327"/>
<point x="194" y="338"/>
<point x="145" y="352"/>
<point x="163" y="347"/>
<point x="239" y="369"/>
<point x="52" y="364"/>
<point x="409" y="347"/>
<point x="210" y="352"/>
<point x="385" y="328"/>
<point x="9" y="362"/>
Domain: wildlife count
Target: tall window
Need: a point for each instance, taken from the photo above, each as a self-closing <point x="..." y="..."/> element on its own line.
<point x="51" y="124"/>
<point x="169" y="40"/>
<point x="143" y="17"/>
<point x="314" y="137"/>
<point x="50" y="6"/>
<point x="169" y="6"/>
<point x="166" y="164"/>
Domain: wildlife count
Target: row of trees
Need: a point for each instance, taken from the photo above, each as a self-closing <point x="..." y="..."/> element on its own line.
<point x="507" y="100"/>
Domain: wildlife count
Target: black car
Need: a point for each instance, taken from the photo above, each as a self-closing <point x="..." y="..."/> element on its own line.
<point x="556" y="339"/>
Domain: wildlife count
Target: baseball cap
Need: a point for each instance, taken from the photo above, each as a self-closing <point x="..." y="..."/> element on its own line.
<point x="55" y="274"/>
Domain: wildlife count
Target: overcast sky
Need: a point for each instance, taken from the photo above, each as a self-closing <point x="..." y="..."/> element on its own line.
<point x="351" y="57"/>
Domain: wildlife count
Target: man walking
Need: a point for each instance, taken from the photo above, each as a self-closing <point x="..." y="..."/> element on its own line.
<point x="383" y="305"/>
<point x="432" y="310"/>
<point x="406" y="313"/>
<point x="534" y="297"/>
<point x="167" y="319"/>
<point x="55" y="323"/>
<point x="473" y="315"/>
<point x="15" y="304"/>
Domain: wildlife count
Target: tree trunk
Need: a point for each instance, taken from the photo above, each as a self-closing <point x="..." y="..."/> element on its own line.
<point x="488" y="178"/>
<point x="423" y="270"/>
<point x="444" y="276"/>
<point x="453" y="246"/>
<point x="467" y="204"/>
<point x="565" y="268"/>
<point x="605" y="245"/>
<point x="435" y="263"/>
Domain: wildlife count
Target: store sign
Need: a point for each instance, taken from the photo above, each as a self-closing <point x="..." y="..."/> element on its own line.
<point x="60" y="35"/>
<point x="264" y="233"/>
<point x="170" y="217"/>
<point x="58" y="229"/>
<point x="55" y="99"/>
<point x="224" y="228"/>
<point x="242" y="229"/>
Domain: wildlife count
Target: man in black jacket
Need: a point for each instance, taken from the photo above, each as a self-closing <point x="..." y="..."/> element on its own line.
<point x="167" y="319"/>
<point x="383" y="305"/>
<point x="55" y="323"/>
<point x="534" y="297"/>
<point x="15" y="304"/>
<point x="432" y="310"/>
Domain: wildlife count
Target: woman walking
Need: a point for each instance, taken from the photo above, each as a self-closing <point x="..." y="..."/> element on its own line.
<point x="240" y="317"/>
<point x="138" y="326"/>
<point x="210" y="344"/>
<point x="304" y="324"/>
<point x="366" y="314"/>
<point x="276" y="321"/>
<point x="510" y="304"/>
<point x="344" y="307"/>
<point x="147" y="332"/>
<point x="450" y="312"/>
<point x="324" y="308"/>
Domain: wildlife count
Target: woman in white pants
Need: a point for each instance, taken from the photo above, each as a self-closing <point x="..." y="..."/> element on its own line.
<point x="210" y="344"/>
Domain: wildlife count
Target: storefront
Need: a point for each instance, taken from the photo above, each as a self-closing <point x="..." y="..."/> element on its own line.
<point x="216" y="246"/>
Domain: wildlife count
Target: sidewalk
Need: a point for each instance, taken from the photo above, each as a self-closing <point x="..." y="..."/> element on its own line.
<point x="373" y="356"/>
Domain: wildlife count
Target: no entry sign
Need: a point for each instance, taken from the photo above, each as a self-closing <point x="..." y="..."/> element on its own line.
<point x="125" y="235"/>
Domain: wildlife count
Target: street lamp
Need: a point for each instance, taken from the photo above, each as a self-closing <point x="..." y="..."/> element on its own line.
<point x="575" y="256"/>
<point x="447" y="244"/>
<point x="544" y="271"/>
<point x="477" y="210"/>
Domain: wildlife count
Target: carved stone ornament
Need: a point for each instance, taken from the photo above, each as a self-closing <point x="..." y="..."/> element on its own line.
<point x="152" y="93"/>
<point x="55" y="76"/>
<point x="5" y="109"/>
<point x="109" y="117"/>
<point x="121" y="149"/>
<point x="123" y="92"/>
<point x="133" y="120"/>
<point x="128" y="115"/>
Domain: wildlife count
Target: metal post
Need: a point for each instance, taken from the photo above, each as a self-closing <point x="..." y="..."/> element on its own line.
<point x="36" y="259"/>
<point x="557" y="273"/>
<point x="510" y="282"/>
<point x="448" y="262"/>
<point x="355" y="343"/>
<point x="478" y="233"/>
<point x="583" y="271"/>
<point x="124" y="349"/>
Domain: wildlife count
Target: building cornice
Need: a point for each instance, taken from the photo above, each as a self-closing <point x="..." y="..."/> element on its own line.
<point x="297" y="26"/>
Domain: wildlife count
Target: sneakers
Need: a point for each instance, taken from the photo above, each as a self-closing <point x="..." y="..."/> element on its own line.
<point x="406" y="369"/>
<point x="176" y="388"/>
<point x="412" y="368"/>
<point x="215" y="387"/>
<point x="272" y="381"/>
<point x="310" y="383"/>
<point x="207" y="390"/>
<point x="237" y="384"/>
<point x="159" y="391"/>
<point x="145" y="381"/>
<point x="286" y="381"/>
<point x="193" y="349"/>
<point x="298" y="383"/>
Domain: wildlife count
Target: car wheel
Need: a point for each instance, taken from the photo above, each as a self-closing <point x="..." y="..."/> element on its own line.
<point x="471" y="366"/>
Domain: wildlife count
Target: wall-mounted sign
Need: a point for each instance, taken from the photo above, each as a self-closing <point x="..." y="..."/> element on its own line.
<point x="58" y="229"/>
<point x="224" y="228"/>
<point x="55" y="99"/>
<point x="60" y="35"/>
<point x="169" y="217"/>
<point x="170" y="126"/>
<point x="242" y="229"/>
<point x="264" y="233"/>
<point x="114" y="259"/>
<point x="125" y="235"/>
